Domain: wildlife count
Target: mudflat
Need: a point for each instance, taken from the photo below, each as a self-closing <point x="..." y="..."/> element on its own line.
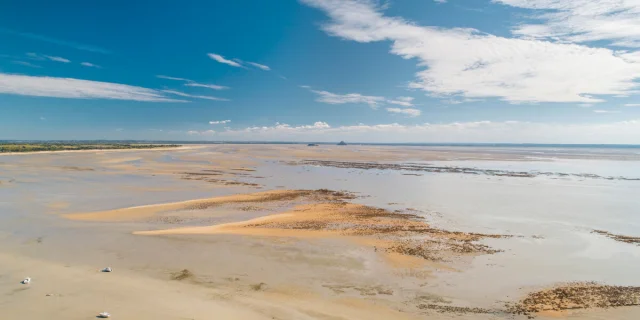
<point x="329" y="232"/>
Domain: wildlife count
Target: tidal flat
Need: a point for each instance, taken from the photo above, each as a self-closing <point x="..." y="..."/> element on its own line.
<point x="325" y="232"/>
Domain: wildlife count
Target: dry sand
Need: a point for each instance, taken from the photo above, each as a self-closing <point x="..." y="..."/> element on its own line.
<point x="81" y="292"/>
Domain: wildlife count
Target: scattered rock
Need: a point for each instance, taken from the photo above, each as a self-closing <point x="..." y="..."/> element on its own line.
<point x="104" y="315"/>
<point x="617" y="237"/>
<point x="181" y="275"/>
<point x="577" y="296"/>
<point x="26" y="280"/>
<point x="107" y="269"/>
<point x="259" y="287"/>
<point x="454" y="309"/>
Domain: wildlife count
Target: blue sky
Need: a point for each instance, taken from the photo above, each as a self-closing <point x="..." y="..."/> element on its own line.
<point x="322" y="70"/>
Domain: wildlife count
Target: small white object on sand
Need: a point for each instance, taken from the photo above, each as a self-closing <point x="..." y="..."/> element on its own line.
<point x="104" y="315"/>
<point x="107" y="269"/>
<point x="26" y="280"/>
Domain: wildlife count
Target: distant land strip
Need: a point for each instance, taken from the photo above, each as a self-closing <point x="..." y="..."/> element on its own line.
<point x="37" y="147"/>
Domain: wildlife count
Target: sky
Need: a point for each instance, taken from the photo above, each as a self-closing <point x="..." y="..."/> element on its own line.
<point x="512" y="71"/>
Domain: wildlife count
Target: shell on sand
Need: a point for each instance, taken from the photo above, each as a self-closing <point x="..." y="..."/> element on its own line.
<point x="26" y="280"/>
<point x="104" y="315"/>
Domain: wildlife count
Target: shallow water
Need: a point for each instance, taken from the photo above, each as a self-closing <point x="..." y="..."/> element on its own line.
<point x="551" y="217"/>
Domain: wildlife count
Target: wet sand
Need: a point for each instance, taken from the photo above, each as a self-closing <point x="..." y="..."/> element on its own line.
<point x="227" y="231"/>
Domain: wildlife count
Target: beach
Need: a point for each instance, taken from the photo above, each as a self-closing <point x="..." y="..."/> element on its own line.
<point x="324" y="232"/>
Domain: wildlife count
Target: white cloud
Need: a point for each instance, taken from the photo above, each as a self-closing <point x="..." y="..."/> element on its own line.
<point x="334" y="98"/>
<point x="76" y="89"/>
<point x="91" y="65"/>
<point x="478" y="131"/>
<point x="219" y="122"/>
<point x="459" y="101"/>
<point x="440" y="1"/>
<point x="55" y="41"/>
<point x="43" y="118"/>
<point x="58" y="59"/>
<point x="581" y="21"/>
<point x="178" y="93"/>
<point x="465" y="62"/>
<point x="606" y="111"/>
<point x="237" y="62"/>
<point x="402" y="101"/>
<point x="191" y="83"/>
<point x="36" y="56"/>
<point x="27" y="64"/>
<point x="172" y="78"/>
<point x="372" y="101"/>
<point x="201" y="133"/>
<point x="210" y="86"/>
<point x="632" y="105"/>
<point x="408" y="111"/>
<point x="260" y="66"/>
<point x="221" y="59"/>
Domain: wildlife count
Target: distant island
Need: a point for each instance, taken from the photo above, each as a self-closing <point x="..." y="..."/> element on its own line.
<point x="35" y="147"/>
<point x="312" y="145"/>
<point x="342" y="143"/>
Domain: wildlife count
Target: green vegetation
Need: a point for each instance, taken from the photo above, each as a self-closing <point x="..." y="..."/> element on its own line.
<point x="63" y="146"/>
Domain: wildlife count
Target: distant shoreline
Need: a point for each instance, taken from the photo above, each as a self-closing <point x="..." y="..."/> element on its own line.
<point x="39" y="148"/>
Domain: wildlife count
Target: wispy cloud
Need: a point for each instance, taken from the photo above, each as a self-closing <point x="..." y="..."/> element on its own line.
<point x="617" y="21"/>
<point x="632" y="105"/>
<point x="334" y="98"/>
<point x="260" y="66"/>
<point x="201" y="133"/>
<point x="36" y="56"/>
<point x="210" y="86"/>
<point x="58" y="59"/>
<point x="55" y="41"/>
<point x="76" y="89"/>
<point x="89" y="64"/>
<point x="402" y="101"/>
<point x="606" y="111"/>
<point x="221" y="59"/>
<point x="220" y="122"/>
<point x="172" y="78"/>
<point x="408" y="111"/>
<point x="235" y="62"/>
<point x="372" y="101"/>
<point x="43" y="118"/>
<point x="511" y="69"/>
<point x="191" y="83"/>
<point x="182" y="94"/>
<point x="27" y="64"/>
